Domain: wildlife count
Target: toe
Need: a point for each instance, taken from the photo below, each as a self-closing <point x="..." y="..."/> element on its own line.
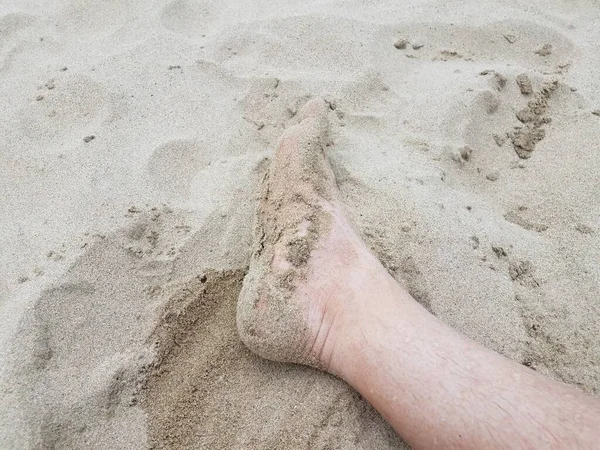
<point x="315" y="107"/>
<point x="300" y="162"/>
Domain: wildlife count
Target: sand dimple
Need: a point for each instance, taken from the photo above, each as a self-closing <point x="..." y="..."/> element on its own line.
<point x="11" y="24"/>
<point x="78" y="346"/>
<point x="72" y="106"/>
<point x="188" y="17"/>
<point x="519" y="218"/>
<point x="87" y="17"/>
<point x="173" y="166"/>
<point x="489" y="101"/>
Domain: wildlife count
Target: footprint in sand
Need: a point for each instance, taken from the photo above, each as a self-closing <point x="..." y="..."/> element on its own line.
<point x="68" y="109"/>
<point x="520" y="217"/>
<point x="11" y="45"/>
<point x="84" y="340"/>
<point x="11" y="24"/>
<point x="174" y="164"/>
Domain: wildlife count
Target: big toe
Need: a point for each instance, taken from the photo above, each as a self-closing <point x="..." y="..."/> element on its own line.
<point x="300" y="159"/>
<point x="315" y="107"/>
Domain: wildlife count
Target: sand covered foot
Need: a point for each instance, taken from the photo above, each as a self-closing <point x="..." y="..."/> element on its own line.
<point x="295" y="293"/>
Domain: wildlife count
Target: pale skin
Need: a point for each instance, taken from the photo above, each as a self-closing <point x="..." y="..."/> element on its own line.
<point x="436" y="387"/>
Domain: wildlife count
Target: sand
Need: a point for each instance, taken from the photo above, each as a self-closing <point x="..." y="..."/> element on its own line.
<point x="134" y="138"/>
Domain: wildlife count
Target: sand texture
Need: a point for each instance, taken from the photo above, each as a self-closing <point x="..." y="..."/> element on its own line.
<point x="134" y="138"/>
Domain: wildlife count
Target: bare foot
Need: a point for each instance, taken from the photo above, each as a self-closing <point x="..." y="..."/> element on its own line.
<point x="308" y="265"/>
<point x="316" y="295"/>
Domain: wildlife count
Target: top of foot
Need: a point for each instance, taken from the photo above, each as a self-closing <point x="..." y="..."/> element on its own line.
<point x="306" y="255"/>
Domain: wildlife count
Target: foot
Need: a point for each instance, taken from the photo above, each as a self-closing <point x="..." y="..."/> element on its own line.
<point x="309" y="270"/>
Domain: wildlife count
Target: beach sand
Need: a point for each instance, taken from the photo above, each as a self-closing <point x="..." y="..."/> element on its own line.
<point x="133" y="140"/>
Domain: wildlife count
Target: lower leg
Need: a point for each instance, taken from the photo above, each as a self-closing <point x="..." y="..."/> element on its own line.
<point x="316" y="295"/>
<point x="439" y="389"/>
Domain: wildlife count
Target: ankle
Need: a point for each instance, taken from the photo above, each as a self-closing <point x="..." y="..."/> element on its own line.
<point x="324" y="349"/>
<point x="366" y="325"/>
